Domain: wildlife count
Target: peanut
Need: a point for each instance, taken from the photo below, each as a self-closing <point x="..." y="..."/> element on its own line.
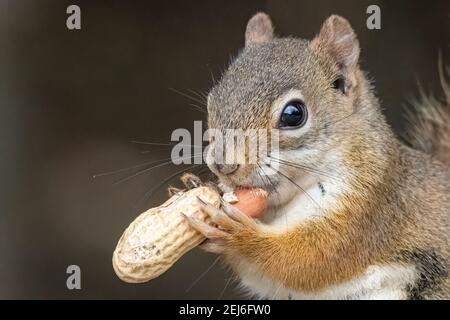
<point x="157" y="238"/>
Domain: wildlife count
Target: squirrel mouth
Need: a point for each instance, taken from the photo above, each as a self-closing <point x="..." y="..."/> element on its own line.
<point x="268" y="187"/>
<point x="231" y="183"/>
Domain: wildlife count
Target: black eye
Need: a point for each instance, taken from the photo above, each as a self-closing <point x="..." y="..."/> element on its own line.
<point x="294" y="115"/>
<point x="339" y="84"/>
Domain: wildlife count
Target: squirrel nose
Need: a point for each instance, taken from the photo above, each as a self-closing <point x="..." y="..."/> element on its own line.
<point x="226" y="169"/>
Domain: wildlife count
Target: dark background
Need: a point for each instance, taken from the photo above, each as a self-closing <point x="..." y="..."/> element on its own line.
<point x="71" y="101"/>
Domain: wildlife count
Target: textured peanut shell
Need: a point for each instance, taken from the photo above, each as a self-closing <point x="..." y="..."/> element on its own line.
<point x="157" y="238"/>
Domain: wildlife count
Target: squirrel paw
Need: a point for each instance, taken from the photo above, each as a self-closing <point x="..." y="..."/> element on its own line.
<point x="228" y="223"/>
<point x="191" y="181"/>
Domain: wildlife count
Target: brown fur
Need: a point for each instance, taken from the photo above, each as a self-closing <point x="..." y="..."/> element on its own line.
<point x="398" y="209"/>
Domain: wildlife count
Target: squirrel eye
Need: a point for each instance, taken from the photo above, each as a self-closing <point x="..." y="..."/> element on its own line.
<point x="294" y="115"/>
<point x="339" y="84"/>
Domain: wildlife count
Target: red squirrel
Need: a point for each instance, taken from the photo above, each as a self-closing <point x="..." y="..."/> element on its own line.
<point x="353" y="212"/>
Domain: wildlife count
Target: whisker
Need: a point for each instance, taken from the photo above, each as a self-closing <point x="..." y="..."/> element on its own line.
<point x="272" y="185"/>
<point x="150" y="193"/>
<point x="224" y="288"/>
<point x="153" y="150"/>
<point x="187" y="96"/>
<point x="199" y="94"/>
<point x="265" y="177"/>
<point x="153" y="143"/>
<point x="204" y="273"/>
<point x="128" y="168"/>
<point x="197" y="107"/>
<point x="164" y="144"/>
<point x="153" y="167"/>
<point x="305" y="168"/>
<point x="300" y="188"/>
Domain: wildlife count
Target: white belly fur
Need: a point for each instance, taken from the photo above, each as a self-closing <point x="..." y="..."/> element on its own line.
<point x="383" y="282"/>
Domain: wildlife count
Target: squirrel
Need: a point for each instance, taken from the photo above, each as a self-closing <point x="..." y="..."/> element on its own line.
<point x="354" y="212"/>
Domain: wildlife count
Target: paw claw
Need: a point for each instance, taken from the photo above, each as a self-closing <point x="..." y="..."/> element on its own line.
<point x="237" y="215"/>
<point x="217" y="216"/>
<point x="205" y="229"/>
<point x="173" y="191"/>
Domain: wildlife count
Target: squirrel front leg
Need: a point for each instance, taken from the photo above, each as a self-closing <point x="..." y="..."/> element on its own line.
<point x="307" y="258"/>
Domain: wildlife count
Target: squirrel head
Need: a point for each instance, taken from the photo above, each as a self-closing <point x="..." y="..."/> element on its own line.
<point x="306" y="91"/>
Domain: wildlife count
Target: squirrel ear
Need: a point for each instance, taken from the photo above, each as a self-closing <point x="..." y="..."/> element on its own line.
<point x="259" y="29"/>
<point x="338" y="39"/>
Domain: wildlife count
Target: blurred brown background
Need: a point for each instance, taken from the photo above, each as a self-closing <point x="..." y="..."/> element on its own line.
<point x="71" y="101"/>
